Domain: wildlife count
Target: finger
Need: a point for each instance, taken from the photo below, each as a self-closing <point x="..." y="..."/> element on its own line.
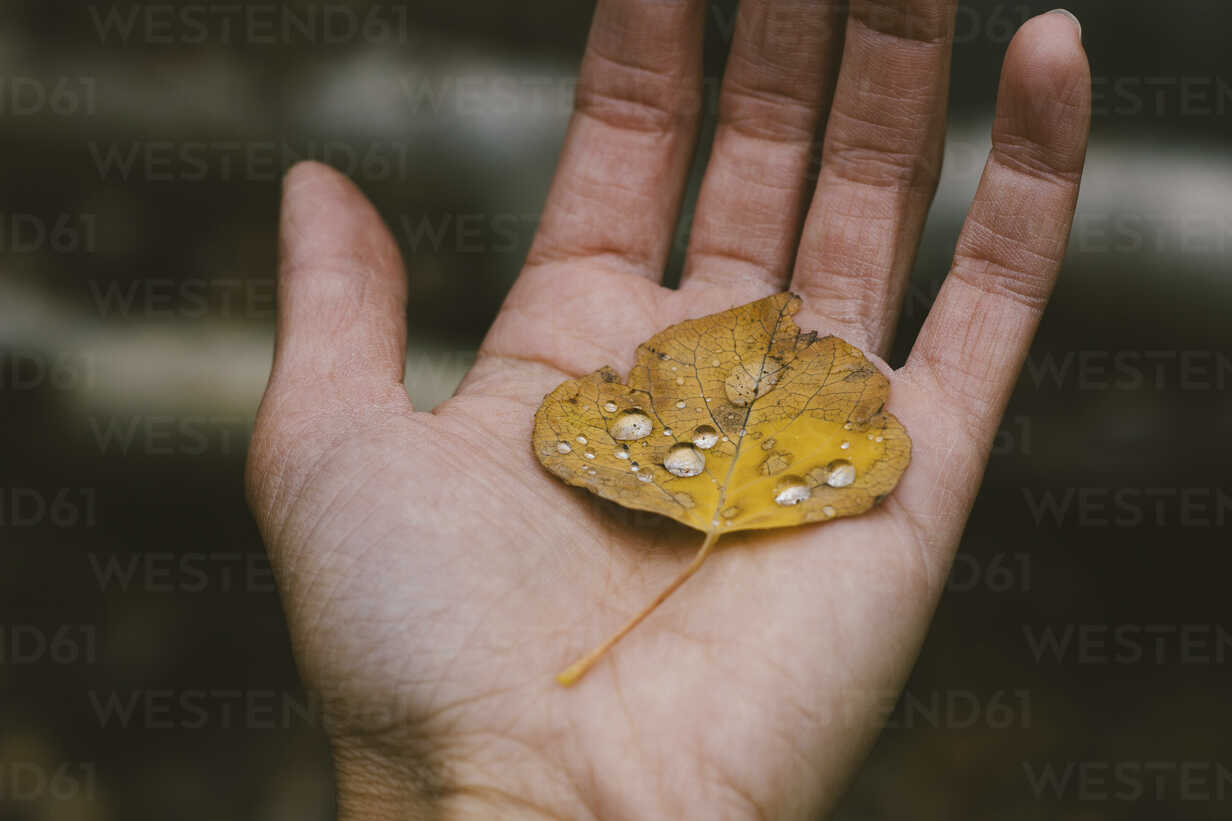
<point x="975" y="338"/>
<point x="776" y="88"/>
<point x="341" y="289"/>
<point x="621" y="176"/>
<point x="879" y="166"/>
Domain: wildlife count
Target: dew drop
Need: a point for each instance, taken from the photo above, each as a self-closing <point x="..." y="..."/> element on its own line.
<point x="645" y="476"/>
<point x="668" y="432"/>
<point x="714" y="363"/>
<point x="610" y="407"/>
<point x="879" y="439"/>
<point x="791" y="490"/>
<point x="681" y="404"/>
<point x="581" y="440"/>
<point x="631" y="424"/>
<point x="842" y="473"/>
<point x="622" y="452"/>
<point x="844" y="445"/>
<point x="679" y="380"/>
<point x="684" y="460"/>
<point x="563" y="447"/>
<point x="705" y="437"/>
<point x="588" y="453"/>
<point x="730" y="512"/>
<point x="829" y="511"/>
<point x="846" y="426"/>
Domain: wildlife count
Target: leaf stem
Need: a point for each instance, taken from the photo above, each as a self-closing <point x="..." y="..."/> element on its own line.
<point x="575" y="671"/>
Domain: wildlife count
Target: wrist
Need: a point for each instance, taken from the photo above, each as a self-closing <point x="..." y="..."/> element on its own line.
<point x="372" y="787"/>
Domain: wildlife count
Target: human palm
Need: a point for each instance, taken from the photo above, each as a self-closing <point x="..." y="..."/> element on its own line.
<point x="436" y="577"/>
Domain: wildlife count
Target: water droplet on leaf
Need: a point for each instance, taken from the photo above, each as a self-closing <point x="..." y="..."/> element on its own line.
<point x="630" y="425"/>
<point x="842" y="473"/>
<point x="705" y="437"/>
<point x="791" y="490"/>
<point x="684" y="460"/>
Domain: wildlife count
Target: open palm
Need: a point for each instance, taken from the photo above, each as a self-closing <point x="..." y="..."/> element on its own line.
<point x="436" y="577"/>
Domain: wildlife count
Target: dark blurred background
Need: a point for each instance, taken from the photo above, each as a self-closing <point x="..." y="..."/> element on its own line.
<point x="1079" y="667"/>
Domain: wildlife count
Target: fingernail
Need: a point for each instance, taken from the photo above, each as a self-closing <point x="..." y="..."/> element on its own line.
<point x="1072" y="16"/>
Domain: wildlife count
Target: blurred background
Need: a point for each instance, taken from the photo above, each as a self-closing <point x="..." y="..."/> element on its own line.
<point x="1079" y="666"/>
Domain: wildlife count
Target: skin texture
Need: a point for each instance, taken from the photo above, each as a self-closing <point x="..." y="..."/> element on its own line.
<point x="435" y="577"/>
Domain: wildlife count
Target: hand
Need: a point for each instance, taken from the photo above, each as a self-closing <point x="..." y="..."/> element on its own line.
<point x="435" y="577"/>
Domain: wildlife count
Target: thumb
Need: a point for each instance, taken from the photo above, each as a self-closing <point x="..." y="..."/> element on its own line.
<point x="340" y="344"/>
<point x="341" y="289"/>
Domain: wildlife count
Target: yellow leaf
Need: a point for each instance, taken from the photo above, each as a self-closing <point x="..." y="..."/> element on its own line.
<point x="735" y="421"/>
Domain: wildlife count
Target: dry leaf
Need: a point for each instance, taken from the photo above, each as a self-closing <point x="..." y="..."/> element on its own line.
<point x="735" y="421"/>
